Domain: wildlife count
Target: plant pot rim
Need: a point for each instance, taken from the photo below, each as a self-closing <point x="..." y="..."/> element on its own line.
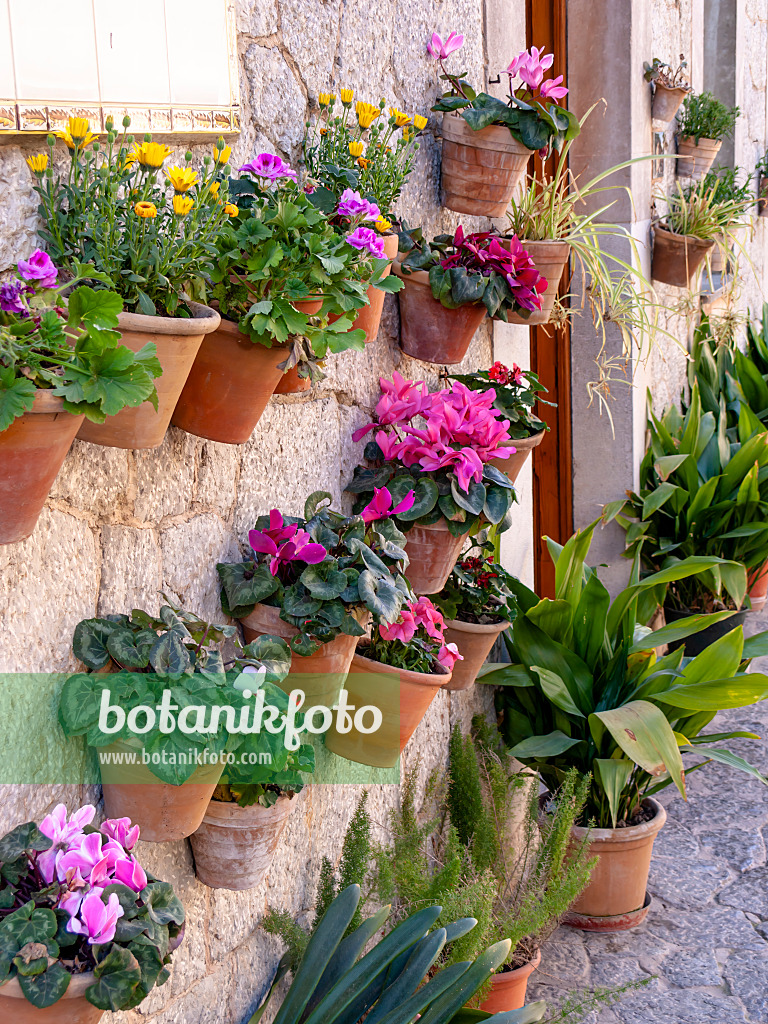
<point x="630" y="834"/>
<point x="204" y="320"/>
<point x="503" y="977"/>
<point x="674" y="88"/>
<point x="477" y="627"/>
<point x="550" y="243"/>
<point x="440" y="525"/>
<point x="75" y="990"/>
<point x="709" y="143"/>
<point x="693" y="240"/>
<point x="532" y="441"/>
<point x="45" y="402"/>
<point x="223" y="813"/>
<point x="435" y="679"/>
<point x="360" y="612"/>
<point x="230" y="327"/>
<point x="421" y="277"/>
<point x="453" y="117"/>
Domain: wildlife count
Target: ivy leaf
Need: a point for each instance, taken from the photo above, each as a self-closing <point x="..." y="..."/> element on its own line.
<point x="17" y="396"/>
<point x="46" y="988"/>
<point x="88" y="308"/>
<point x="89" y="642"/>
<point x="117" y="975"/>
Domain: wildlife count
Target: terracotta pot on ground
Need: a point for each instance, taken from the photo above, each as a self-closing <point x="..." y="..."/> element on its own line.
<point x="480" y="170"/>
<point x="32" y="451"/>
<point x="234" y="846"/>
<point x="177" y="340"/>
<point x="433" y="551"/>
<point x="695" y="160"/>
<point x="509" y="988"/>
<point x="514" y="464"/>
<point x="475" y="642"/>
<point x="229" y="386"/>
<point x="757" y="587"/>
<point x="666" y="102"/>
<point x="550" y="258"/>
<point x="164" y="812"/>
<point x="677" y="258"/>
<point x="402" y="697"/>
<point x="72" y="1008"/>
<point x="428" y="331"/>
<point x="615" y="898"/>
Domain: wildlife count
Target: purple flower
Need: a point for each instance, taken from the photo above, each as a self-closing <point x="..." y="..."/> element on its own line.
<point x="352" y="204"/>
<point x="381" y="505"/>
<point x="10" y="297"/>
<point x="131" y="873"/>
<point x="62" y="832"/>
<point x="267" y="165"/>
<point x="40" y="269"/>
<point x="97" y="921"/>
<point x="121" y="831"/>
<point x="440" y="50"/>
<point x="366" y="238"/>
<point x="553" y="88"/>
<point x="90" y="857"/>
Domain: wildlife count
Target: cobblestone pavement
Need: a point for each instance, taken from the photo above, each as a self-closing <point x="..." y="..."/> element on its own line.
<point x="704" y="943"/>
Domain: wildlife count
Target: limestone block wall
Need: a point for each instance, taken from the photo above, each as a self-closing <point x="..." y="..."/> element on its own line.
<point x="122" y="525"/>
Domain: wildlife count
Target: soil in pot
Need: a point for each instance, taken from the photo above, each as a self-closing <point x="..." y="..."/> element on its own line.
<point x="757" y="587"/>
<point x="32" y="451"/>
<point x="433" y="551"/>
<point x="234" y="846"/>
<point x="475" y="642"/>
<point x="677" y="258"/>
<point x="178" y="340"/>
<point x="700" y="641"/>
<point x="480" y="170"/>
<point x="666" y="102"/>
<point x="693" y="161"/>
<point x="164" y="812"/>
<point x="428" y="331"/>
<point x="550" y="258"/>
<point x="617" y="888"/>
<point x="509" y="988"/>
<point x="402" y="697"/>
<point x="229" y="385"/>
<point x="72" y="1008"/>
<point x="524" y="446"/>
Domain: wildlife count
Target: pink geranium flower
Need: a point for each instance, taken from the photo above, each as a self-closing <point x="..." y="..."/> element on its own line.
<point x="403" y="630"/>
<point x="367" y="239"/>
<point x="353" y="205"/>
<point x="381" y="506"/>
<point x="448" y="655"/>
<point x="96" y="920"/>
<point x="269" y="166"/>
<point x="62" y="832"/>
<point x="39" y="269"/>
<point x="426" y="615"/>
<point x="440" y="50"/>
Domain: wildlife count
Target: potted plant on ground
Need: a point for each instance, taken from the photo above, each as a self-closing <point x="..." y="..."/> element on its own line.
<point x="60" y="363"/>
<point x="487" y="142"/>
<point x="280" y="261"/>
<point x="452" y="282"/>
<point x="516" y="393"/>
<point x="371" y="154"/>
<point x="478" y="605"/>
<point x="762" y="186"/>
<point x="83" y="927"/>
<point x="158" y="767"/>
<point x="440" y="446"/>
<point x="670" y="87"/>
<point x="316" y="582"/>
<point x="150" y="232"/>
<point x="585" y="689"/>
<point x="702" y="125"/>
<point x="699" y="495"/>
<point x="398" y="669"/>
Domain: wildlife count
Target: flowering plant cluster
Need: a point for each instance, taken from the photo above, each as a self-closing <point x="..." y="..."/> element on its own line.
<point x="151" y="231"/>
<point x="69" y="347"/>
<point x="136" y="658"/>
<point x="74" y="899"/>
<point x="415" y="641"/>
<point x="478" y="590"/>
<point x="529" y="113"/>
<point x="361" y="148"/>
<point x="516" y="393"/>
<point x="438" y="446"/>
<point x="326" y="572"/>
<point x="479" y="267"/>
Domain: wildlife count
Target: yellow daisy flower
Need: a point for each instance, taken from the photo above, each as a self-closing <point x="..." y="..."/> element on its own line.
<point x="231" y="210"/>
<point x="182" y="178"/>
<point x="420" y="122"/>
<point x="383" y="225"/>
<point x="38" y="163"/>
<point x="362" y="162"/>
<point x="221" y="156"/>
<point x="401" y="119"/>
<point x="356" y="148"/>
<point x="182" y="205"/>
<point x="71" y="141"/>
<point x="152" y="154"/>
<point x="346" y="97"/>
<point x="324" y="99"/>
<point x="144" y="209"/>
<point x="215" y="186"/>
<point x="78" y="128"/>
<point x="129" y="159"/>
<point x="366" y="114"/>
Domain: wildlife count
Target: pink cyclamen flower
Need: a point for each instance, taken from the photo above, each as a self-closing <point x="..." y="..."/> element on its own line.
<point x="267" y="541"/>
<point x="90" y="857"/>
<point x="352" y="204"/>
<point x="96" y="920"/>
<point x="429" y="617"/>
<point x="39" y="269"/>
<point x="530" y="65"/>
<point x="440" y="50"/>
<point x="62" y="832"/>
<point x="381" y="505"/>
<point x="76" y="890"/>
<point x="552" y="89"/>
<point x="366" y="238"/>
<point x="122" y="831"/>
<point x="448" y="655"/>
<point x="300" y="548"/>
<point x="403" y="630"/>
<point x="131" y="873"/>
<point x="267" y="165"/>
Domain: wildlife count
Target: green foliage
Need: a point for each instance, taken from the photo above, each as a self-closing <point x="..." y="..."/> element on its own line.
<point x="296" y="938"/>
<point x="479" y="589"/>
<point x="708" y="209"/>
<point x="664" y="74"/>
<point x="704" y="117"/>
<point x="584" y="688"/>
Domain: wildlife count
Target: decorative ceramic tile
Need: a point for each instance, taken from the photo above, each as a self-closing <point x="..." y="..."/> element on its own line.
<point x="7" y="115"/>
<point x="33" y="119"/>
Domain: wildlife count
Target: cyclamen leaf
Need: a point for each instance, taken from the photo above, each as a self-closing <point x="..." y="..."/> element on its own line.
<point x="47" y="988"/>
<point x="169" y="656"/>
<point x="246" y="584"/>
<point x="17" y="396"/>
<point x="163" y="905"/>
<point x="89" y="642"/>
<point x="117" y="975"/>
<point x="324" y="581"/>
<point x="131" y="650"/>
<point x="380" y="596"/>
<point x="20" y="840"/>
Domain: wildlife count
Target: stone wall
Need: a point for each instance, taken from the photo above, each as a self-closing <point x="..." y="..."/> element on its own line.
<point x="122" y="525"/>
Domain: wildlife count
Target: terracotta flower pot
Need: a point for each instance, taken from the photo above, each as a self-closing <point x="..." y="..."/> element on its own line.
<point x="164" y="812"/>
<point x="509" y="988"/>
<point x="72" y="1008"/>
<point x="514" y="464"/>
<point x="433" y="551"/>
<point x="475" y="642"/>
<point x="369" y="317"/>
<point x="234" y="846"/>
<point x="480" y="170"/>
<point x="762" y="196"/>
<point x="32" y="451"/>
<point x="677" y="258"/>
<point x="550" y="258"/>
<point x="615" y="898"/>
<point x="291" y="383"/>
<point x="694" y="160"/>
<point x="757" y="587"/>
<point x="429" y="331"/>
<point x="229" y="386"/>
<point x="178" y="340"/>
<point x="402" y="697"/>
<point x="666" y="102"/>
